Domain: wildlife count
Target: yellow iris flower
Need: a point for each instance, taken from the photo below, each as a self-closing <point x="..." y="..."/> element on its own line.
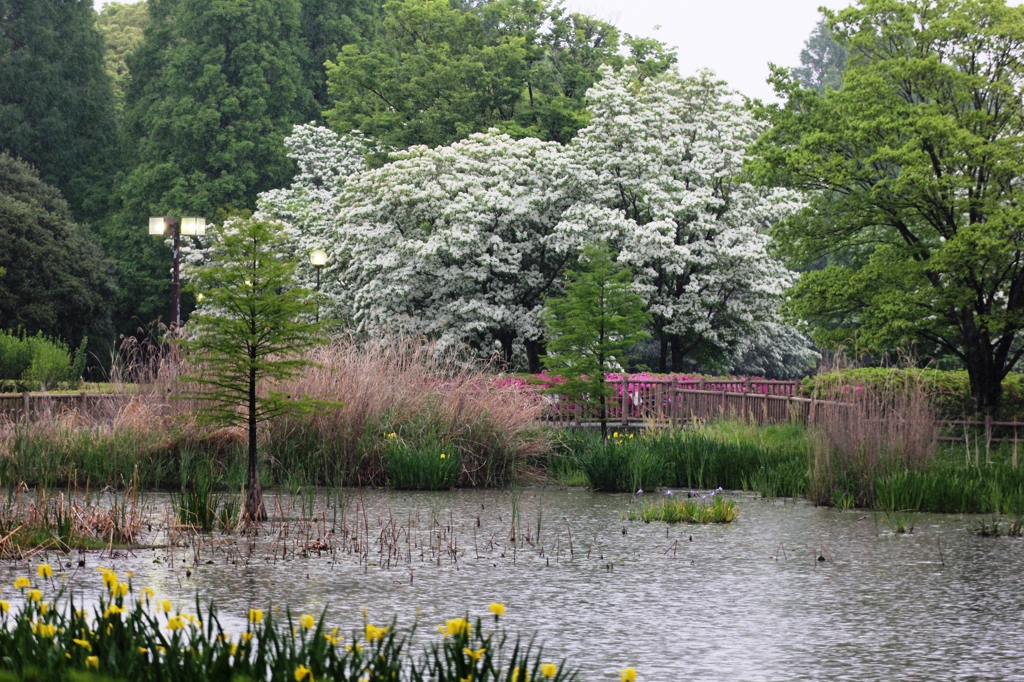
<point x="548" y="669"/>
<point x="22" y="583"/>
<point x="306" y="621"/>
<point x="302" y="672"/>
<point x="628" y="675"/>
<point x="44" y="571"/>
<point x="255" y="615"/>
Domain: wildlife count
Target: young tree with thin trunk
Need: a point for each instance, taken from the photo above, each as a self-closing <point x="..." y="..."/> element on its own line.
<point x="591" y="330"/>
<point x="251" y="329"/>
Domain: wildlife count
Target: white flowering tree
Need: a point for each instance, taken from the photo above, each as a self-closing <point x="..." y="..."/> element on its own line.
<point x="662" y="167"/>
<point x="461" y="243"/>
<point x="309" y="208"/>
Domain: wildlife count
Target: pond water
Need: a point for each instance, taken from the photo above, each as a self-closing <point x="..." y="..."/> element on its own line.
<point x="747" y="601"/>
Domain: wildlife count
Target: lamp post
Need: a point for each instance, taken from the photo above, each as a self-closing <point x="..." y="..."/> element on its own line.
<point x="161" y="226"/>
<point x="317" y="258"/>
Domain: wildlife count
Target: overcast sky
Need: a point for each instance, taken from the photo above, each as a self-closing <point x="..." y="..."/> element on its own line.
<point x="734" y="38"/>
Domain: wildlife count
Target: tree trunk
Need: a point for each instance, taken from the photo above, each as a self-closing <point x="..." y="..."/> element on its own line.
<point x="254" y="509"/>
<point x="663" y="353"/>
<point x="604" y="418"/>
<point x="534" y="352"/>
<point x="677" y="353"/>
<point x="986" y="379"/>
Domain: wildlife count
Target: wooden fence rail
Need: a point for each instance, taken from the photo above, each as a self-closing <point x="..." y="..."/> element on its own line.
<point x="27" y="406"/>
<point x="679" y="403"/>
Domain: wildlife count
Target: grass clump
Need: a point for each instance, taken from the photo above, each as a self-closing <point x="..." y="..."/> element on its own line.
<point x="685" y="510"/>
<point x="134" y="635"/>
<point x="425" y="462"/>
<point x="771" y="460"/>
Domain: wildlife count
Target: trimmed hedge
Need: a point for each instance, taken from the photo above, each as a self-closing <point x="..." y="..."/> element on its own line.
<point x="952" y="389"/>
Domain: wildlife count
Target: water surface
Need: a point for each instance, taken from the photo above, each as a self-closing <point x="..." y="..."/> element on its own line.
<point x="746" y="601"/>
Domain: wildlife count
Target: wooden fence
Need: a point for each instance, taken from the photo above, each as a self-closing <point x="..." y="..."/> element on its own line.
<point x="27" y="406"/>
<point x="665" y="402"/>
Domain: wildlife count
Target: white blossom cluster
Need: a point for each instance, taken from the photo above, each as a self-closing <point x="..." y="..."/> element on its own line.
<point x="464" y="243"/>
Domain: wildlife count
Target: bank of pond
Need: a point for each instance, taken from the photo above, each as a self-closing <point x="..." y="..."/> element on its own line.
<point x="779" y="461"/>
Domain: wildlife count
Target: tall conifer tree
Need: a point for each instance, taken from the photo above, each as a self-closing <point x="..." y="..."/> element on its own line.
<point x="56" y="102"/>
<point x="215" y="87"/>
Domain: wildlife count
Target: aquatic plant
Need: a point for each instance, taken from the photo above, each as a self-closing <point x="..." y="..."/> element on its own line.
<point x="132" y="635"/>
<point x="686" y="510"/>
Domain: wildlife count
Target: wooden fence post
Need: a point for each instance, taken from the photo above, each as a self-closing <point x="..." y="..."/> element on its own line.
<point x="25" y="414"/>
<point x="988" y="439"/>
<point x="625" y="400"/>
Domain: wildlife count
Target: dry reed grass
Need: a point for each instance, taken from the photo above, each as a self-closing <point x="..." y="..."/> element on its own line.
<point x="406" y="386"/>
<point x="402" y="385"/>
<point x="858" y="435"/>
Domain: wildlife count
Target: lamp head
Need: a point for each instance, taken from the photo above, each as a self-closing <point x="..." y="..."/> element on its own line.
<point x="318" y="258"/>
<point x="193" y="226"/>
<point x="157" y="226"/>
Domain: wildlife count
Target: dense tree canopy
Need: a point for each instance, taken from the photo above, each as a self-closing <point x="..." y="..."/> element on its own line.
<point x="54" y="278"/>
<point x="215" y="87"/>
<point x="56" y="103"/>
<point x="914" y="166"/>
<point x="822" y="61"/>
<point x="122" y="25"/>
<point x="439" y="72"/>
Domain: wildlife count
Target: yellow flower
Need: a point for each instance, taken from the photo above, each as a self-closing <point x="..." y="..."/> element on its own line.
<point x="354" y="647"/>
<point x="165" y="606"/>
<point x="246" y="636"/>
<point x="175" y="623"/>
<point x="255" y="615"/>
<point x="515" y="676"/>
<point x="548" y="669"/>
<point x="234" y="649"/>
<point x="467" y="678"/>
<point x="442" y="455"/>
<point x="143" y="650"/>
<point x="84" y="643"/>
<point x="475" y="655"/>
<point x="4" y="607"/>
<point x="120" y="589"/>
<point x="109" y="579"/>
<point x="160" y="649"/>
<point x="113" y="610"/>
<point x="628" y="675"/>
<point x="22" y="583"/>
<point x="147" y="592"/>
<point x="44" y="571"/>
<point x="43" y="608"/>
<point x="92" y="662"/>
<point x="456" y="627"/>
<point x="302" y="672"/>
<point x="374" y="633"/>
<point x="129" y="575"/>
<point x="392" y="435"/>
<point x="35" y="595"/>
<point x="497" y="608"/>
<point x="44" y="630"/>
<point x="306" y="621"/>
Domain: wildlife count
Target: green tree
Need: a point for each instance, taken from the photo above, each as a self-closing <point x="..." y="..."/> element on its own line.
<point x="822" y="61"/>
<point x="591" y="330"/>
<point x="328" y="26"/>
<point x="913" y="171"/>
<point x="440" y="71"/>
<point x="56" y="103"/>
<point x="122" y="26"/>
<point x="54" y="278"/>
<point x="252" y="329"/>
<point x="215" y="87"/>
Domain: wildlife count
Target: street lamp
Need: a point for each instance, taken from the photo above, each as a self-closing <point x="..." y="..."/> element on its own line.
<point x="192" y="226"/>
<point x="318" y="258"/>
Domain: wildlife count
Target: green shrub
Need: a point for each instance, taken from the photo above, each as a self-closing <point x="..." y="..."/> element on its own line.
<point x="34" y="362"/>
<point x="950" y="390"/>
